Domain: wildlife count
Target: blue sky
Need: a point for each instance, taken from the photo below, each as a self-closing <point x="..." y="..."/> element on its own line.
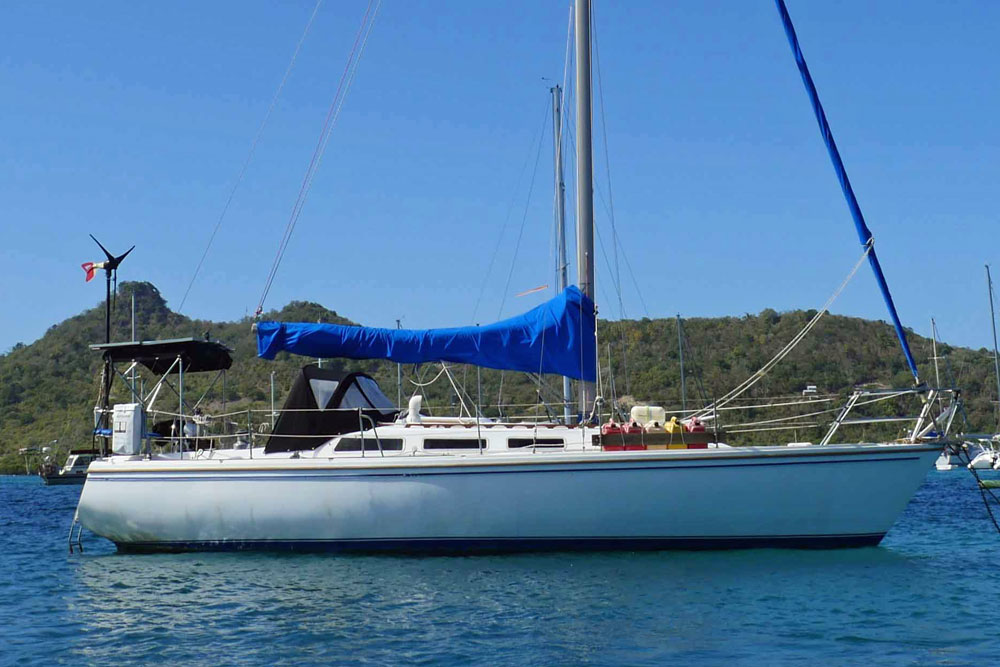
<point x="131" y="121"/>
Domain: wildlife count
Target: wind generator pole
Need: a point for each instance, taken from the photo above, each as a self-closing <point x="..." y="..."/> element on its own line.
<point x="562" y="281"/>
<point x="584" y="178"/>
<point x="107" y="306"/>
<point x="110" y="273"/>
<point x="993" y="321"/>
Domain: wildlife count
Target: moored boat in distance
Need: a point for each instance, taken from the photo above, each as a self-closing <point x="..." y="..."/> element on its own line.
<point x="74" y="471"/>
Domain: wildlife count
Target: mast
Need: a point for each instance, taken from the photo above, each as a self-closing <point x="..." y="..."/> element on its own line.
<point x="937" y="374"/>
<point x="562" y="280"/>
<point x="993" y="321"/>
<point x="584" y="177"/>
<point x="680" y="352"/>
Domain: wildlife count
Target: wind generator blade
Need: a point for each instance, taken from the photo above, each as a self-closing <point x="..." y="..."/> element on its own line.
<point x="111" y="258"/>
<point x="118" y="260"/>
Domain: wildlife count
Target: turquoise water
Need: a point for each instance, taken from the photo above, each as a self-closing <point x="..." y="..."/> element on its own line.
<point x="927" y="595"/>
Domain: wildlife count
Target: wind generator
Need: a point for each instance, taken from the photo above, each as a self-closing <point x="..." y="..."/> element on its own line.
<point x="102" y="422"/>
<point x="110" y="267"/>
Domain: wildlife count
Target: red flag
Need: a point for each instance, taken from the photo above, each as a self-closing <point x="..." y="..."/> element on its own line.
<point x="90" y="269"/>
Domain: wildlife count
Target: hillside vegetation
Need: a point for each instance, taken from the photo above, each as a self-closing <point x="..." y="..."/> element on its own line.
<point x="48" y="388"/>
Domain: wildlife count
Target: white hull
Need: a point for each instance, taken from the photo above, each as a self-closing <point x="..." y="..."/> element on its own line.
<point x="948" y="461"/>
<point x="838" y="495"/>
<point x="984" y="460"/>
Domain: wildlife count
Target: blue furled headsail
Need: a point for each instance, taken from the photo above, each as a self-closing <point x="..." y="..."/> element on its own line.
<point x="557" y="336"/>
<point x="864" y="234"/>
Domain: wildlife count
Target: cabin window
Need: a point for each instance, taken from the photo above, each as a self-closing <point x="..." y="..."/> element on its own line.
<point x="371" y="445"/>
<point x="454" y="443"/>
<point x="515" y="443"/>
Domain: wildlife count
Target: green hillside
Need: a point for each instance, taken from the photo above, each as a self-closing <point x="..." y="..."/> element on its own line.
<point x="48" y="389"/>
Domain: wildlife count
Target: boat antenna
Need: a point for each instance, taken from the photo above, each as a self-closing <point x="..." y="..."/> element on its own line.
<point x="111" y="275"/>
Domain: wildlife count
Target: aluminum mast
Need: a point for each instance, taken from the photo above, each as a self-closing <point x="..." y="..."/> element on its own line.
<point x="584" y="178"/>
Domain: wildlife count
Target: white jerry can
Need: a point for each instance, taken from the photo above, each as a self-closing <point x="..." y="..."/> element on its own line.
<point x="127" y="429"/>
<point x="645" y="414"/>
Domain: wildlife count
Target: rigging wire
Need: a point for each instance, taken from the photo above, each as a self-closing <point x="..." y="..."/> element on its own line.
<point x="557" y="192"/>
<point x="503" y="231"/>
<point x="753" y="379"/>
<point x="983" y="489"/>
<point x="693" y="364"/>
<point x="520" y="234"/>
<point x="611" y="210"/>
<point x="524" y="217"/>
<point x="250" y="154"/>
<point x="949" y="376"/>
<point x="343" y="87"/>
<point x="628" y="264"/>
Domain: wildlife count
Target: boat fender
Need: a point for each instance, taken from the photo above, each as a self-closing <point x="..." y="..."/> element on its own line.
<point x="653" y="427"/>
<point x="413" y="413"/>
<point x="673" y="426"/>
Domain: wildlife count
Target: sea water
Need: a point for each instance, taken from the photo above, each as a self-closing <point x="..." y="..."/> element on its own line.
<point x="928" y="594"/>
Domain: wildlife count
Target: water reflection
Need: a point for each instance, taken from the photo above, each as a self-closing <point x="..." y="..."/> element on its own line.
<point x="569" y="607"/>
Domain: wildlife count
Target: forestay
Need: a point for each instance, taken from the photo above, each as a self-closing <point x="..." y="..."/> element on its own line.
<point x="557" y="336"/>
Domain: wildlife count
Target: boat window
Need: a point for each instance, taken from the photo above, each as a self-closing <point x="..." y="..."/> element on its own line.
<point x="365" y="393"/>
<point x="454" y="443"/>
<point x="322" y="391"/>
<point x="374" y="394"/>
<point x="514" y="443"/>
<point x="371" y="445"/>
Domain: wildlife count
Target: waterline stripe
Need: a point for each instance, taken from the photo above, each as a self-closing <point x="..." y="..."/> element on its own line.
<point x="294" y="475"/>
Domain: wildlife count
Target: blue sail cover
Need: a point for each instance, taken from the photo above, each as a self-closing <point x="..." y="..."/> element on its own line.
<point x="864" y="234"/>
<point x="557" y="336"/>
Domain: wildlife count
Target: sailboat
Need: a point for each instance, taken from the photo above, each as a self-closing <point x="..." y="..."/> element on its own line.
<point x="982" y="451"/>
<point x="341" y="470"/>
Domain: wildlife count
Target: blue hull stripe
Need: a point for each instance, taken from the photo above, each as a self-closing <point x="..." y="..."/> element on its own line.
<point x="294" y="475"/>
<point x="491" y="545"/>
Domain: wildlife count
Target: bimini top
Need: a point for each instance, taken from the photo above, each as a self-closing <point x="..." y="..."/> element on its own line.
<point x="554" y="337"/>
<point x="159" y="355"/>
<point x="324" y="403"/>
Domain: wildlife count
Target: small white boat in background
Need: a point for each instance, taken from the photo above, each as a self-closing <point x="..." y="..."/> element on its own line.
<point x="949" y="460"/>
<point x="74" y="471"/>
<point x="981" y="454"/>
<point x="983" y="450"/>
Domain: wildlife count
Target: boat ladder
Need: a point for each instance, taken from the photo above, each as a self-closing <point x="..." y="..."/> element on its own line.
<point x="78" y="528"/>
